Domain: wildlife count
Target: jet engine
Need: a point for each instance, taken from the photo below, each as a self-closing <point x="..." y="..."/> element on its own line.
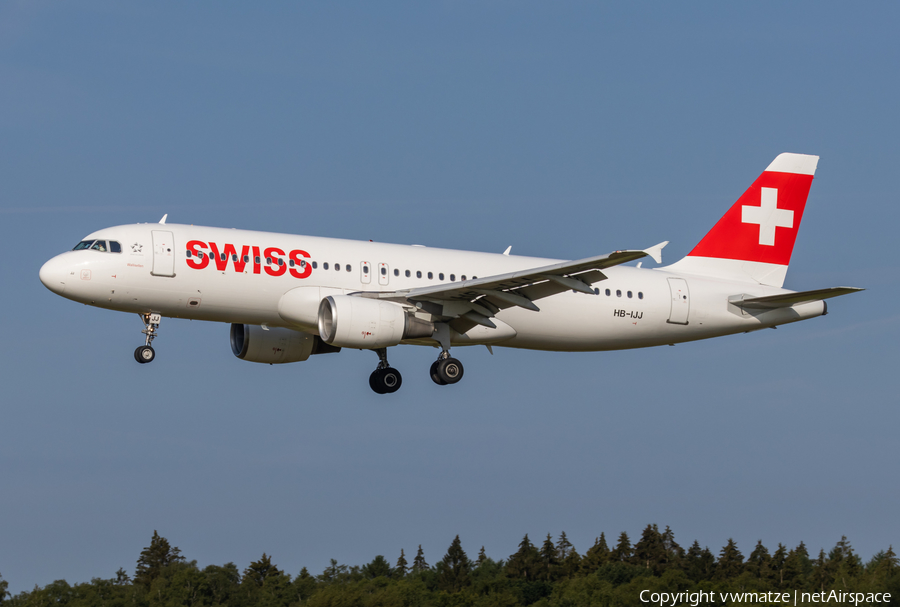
<point x="359" y="322"/>
<point x="275" y="345"/>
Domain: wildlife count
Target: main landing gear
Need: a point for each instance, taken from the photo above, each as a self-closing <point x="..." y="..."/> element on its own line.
<point x="384" y="379"/>
<point x="145" y="354"/>
<point x="446" y="370"/>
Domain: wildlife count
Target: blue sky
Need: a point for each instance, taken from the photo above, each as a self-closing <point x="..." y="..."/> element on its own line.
<point x="564" y="131"/>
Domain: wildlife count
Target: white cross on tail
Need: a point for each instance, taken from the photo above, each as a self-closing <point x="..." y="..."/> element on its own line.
<point x="767" y="215"/>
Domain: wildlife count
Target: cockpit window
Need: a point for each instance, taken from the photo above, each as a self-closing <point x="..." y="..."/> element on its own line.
<point x="99" y="245"/>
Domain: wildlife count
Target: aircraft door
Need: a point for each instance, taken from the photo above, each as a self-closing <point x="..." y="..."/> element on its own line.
<point x="681" y="301"/>
<point x="365" y="272"/>
<point x="383" y="274"/>
<point x="163" y="253"/>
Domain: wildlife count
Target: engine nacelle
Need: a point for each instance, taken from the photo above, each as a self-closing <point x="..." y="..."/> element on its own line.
<point x="359" y="322"/>
<point x="275" y="345"/>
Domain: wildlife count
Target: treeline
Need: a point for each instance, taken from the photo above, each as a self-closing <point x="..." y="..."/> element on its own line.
<point x="550" y="574"/>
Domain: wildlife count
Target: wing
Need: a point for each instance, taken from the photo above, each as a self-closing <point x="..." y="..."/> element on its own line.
<point x="787" y="300"/>
<point x="474" y="302"/>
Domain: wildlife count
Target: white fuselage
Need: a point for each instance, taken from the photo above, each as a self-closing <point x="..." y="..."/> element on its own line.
<point x="153" y="274"/>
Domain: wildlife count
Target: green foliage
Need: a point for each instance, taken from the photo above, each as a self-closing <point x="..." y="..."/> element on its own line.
<point x="552" y="576"/>
<point x="400" y="568"/>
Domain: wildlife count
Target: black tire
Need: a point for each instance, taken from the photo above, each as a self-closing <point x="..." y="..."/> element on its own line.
<point x="434" y="374"/>
<point x="144" y="354"/>
<point x="375" y="382"/>
<point x="391" y="380"/>
<point x="450" y="370"/>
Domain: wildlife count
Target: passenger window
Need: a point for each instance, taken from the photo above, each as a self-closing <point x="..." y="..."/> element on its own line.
<point x="474" y="278"/>
<point x="224" y="257"/>
<point x="200" y="254"/>
<point x="418" y="273"/>
<point x="441" y="276"/>
<point x="384" y="271"/>
<point x="234" y="258"/>
<point x="337" y="267"/>
<point x="315" y="265"/>
<point x="452" y="277"/>
<point x="463" y="277"/>
<point x="302" y="263"/>
<point x="188" y="253"/>
<point x="608" y="293"/>
<point x="618" y="293"/>
<point x="366" y="269"/>
<point x="291" y="263"/>
<point x="430" y="276"/>
<point x="640" y="295"/>
<point x="629" y="295"/>
<point x="256" y="259"/>
<point x="348" y="268"/>
<point x="325" y="266"/>
<point x="269" y="260"/>
<point x="115" y="247"/>
<point x="407" y="273"/>
<point x="246" y="258"/>
<point x="280" y="261"/>
<point x="596" y="291"/>
<point x="396" y="272"/>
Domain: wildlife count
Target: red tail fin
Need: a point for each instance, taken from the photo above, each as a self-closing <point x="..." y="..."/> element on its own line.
<point x="755" y="238"/>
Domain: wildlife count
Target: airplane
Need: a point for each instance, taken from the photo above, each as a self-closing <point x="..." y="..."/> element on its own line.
<point x="288" y="297"/>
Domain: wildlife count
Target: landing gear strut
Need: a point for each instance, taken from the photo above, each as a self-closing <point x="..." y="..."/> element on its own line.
<point x="446" y="370"/>
<point x="384" y="379"/>
<point x="145" y="354"/>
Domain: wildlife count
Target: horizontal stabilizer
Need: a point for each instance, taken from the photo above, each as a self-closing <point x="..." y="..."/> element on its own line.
<point x="790" y="299"/>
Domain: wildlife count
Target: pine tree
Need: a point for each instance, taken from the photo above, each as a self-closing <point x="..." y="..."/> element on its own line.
<point x="524" y="564"/>
<point x="569" y="559"/>
<point x="379" y="567"/>
<point x="843" y="563"/>
<point x="419" y="564"/>
<point x="776" y="566"/>
<point x="333" y="572"/>
<point x="3" y="589"/>
<point x="759" y="562"/>
<point x="622" y="552"/>
<point x="796" y="566"/>
<point x="730" y="562"/>
<point x="821" y="575"/>
<point x="260" y="570"/>
<point x="304" y="584"/>
<point x="649" y="552"/>
<point x="482" y="557"/>
<point x="549" y="560"/>
<point x="400" y="568"/>
<point x="596" y="556"/>
<point x="154" y="558"/>
<point x="674" y="552"/>
<point x="453" y="569"/>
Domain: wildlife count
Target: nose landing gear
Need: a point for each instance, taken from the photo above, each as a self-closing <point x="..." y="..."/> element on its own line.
<point x="384" y="379"/>
<point x="145" y="354"/>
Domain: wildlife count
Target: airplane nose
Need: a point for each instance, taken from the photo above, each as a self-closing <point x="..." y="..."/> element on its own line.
<point x="53" y="275"/>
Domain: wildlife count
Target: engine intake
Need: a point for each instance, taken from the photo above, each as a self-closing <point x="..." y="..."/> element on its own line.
<point x="359" y="322"/>
<point x="275" y="345"/>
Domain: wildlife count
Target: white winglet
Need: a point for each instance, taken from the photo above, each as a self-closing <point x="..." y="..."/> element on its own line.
<point x="508" y="249"/>
<point x="163" y="220"/>
<point x="655" y="252"/>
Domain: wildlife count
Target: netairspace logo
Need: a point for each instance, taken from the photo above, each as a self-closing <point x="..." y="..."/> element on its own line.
<point x="671" y="599"/>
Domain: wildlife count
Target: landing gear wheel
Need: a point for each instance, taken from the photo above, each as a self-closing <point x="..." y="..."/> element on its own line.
<point x="144" y="354"/>
<point x="434" y="374"/>
<point x="385" y="381"/>
<point x="449" y="370"/>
